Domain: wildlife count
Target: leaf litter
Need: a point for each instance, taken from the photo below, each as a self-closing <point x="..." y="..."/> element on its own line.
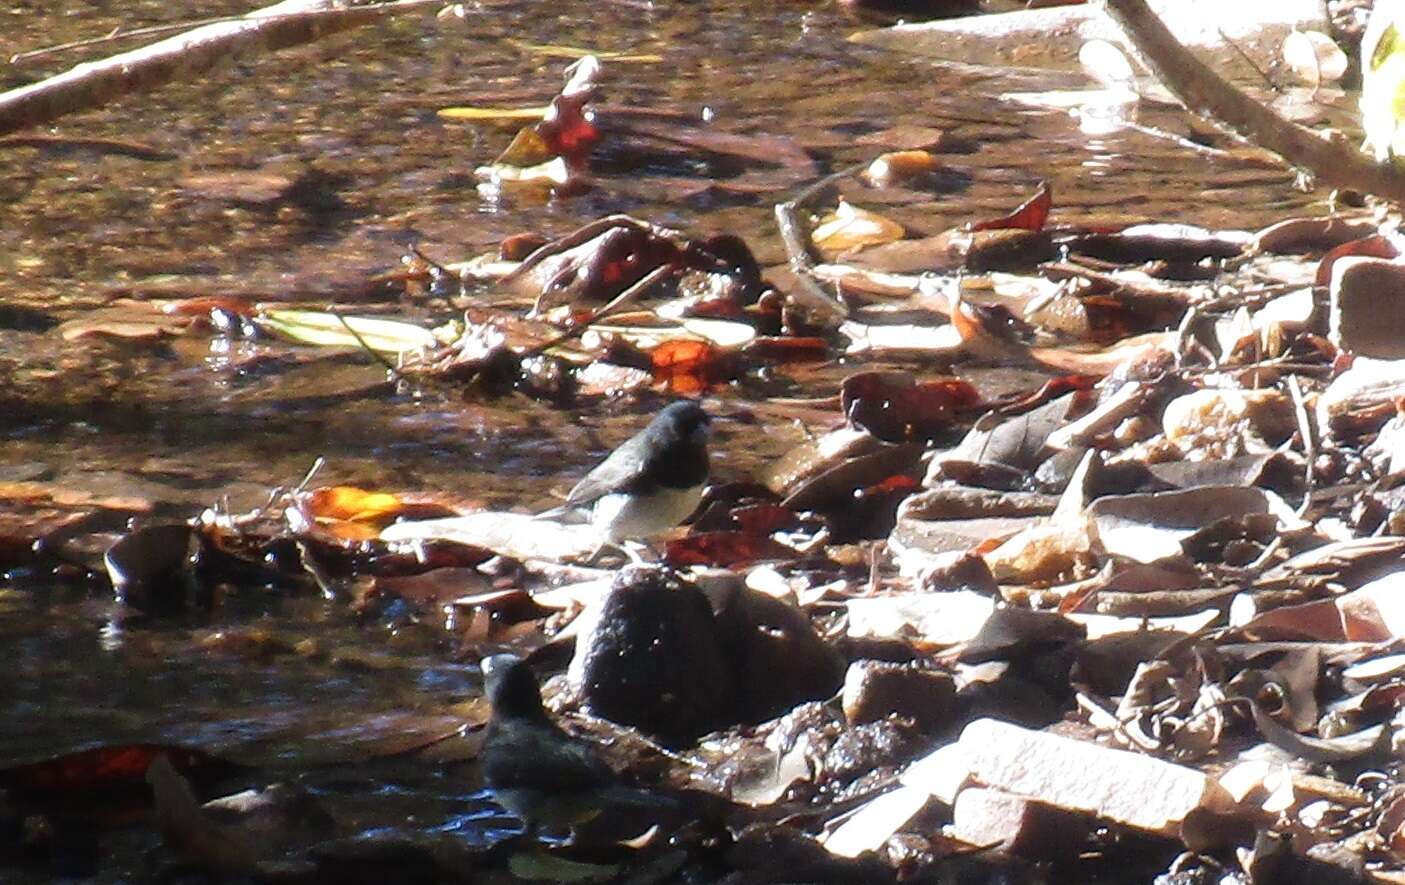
<point x="1146" y="605"/>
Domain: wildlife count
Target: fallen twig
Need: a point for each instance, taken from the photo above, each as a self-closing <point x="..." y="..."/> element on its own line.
<point x="795" y="236"/>
<point x="92" y="84"/>
<point x="1331" y="160"/>
<point x="645" y="283"/>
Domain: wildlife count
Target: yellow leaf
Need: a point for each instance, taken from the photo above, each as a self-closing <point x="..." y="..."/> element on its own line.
<point x="353" y="504"/>
<point x="490" y="115"/>
<point x="852" y="228"/>
<point x="551" y="50"/>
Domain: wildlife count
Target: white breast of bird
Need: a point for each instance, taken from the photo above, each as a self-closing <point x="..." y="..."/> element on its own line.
<point x="620" y="517"/>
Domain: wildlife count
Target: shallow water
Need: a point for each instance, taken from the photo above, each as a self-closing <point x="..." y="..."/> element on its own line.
<point x="354" y="119"/>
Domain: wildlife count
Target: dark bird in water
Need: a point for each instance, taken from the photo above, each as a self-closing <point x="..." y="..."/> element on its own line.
<point x="653" y="481"/>
<point x="537" y="771"/>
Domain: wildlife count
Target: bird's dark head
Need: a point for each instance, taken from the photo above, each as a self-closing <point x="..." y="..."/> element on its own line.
<point x="511" y="687"/>
<point x="684" y="419"/>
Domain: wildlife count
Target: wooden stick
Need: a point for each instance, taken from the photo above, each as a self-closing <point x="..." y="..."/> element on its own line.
<point x="1331" y="160"/>
<point x="92" y="84"/>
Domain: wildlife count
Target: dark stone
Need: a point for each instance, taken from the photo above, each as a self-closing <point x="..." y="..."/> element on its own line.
<point x="857" y="751"/>
<point x="873" y="690"/>
<point x="677" y="662"/>
<point x="777" y="658"/>
<point x="651" y="657"/>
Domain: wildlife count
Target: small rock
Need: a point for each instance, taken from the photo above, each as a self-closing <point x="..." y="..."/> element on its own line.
<point x="1016" y="825"/>
<point x="777" y="658"/>
<point x="958" y="570"/>
<point x="874" y="689"/>
<point x="1365" y="300"/>
<point x="650" y="656"/>
<point x="859" y="754"/>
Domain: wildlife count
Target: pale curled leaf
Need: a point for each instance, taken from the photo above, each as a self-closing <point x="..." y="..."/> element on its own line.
<point x="1314" y="57"/>
<point x="325" y="329"/>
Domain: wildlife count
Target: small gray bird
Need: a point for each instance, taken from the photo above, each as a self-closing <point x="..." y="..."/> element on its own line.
<point x="544" y="776"/>
<point x="653" y="481"/>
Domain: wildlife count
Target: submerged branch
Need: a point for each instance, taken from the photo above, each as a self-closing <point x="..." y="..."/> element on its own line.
<point x="1332" y="161"/>
<point x="92" y="84"/>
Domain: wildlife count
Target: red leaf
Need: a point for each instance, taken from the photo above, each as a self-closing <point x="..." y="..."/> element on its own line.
<point x="723" y="549"/>
<point x="895" y="407"/>
<point x="896" y="483"/>
<point x="105" y="769"/>
<point x="762" y="519"/>
<point x="200" y="306"/>
<point x="566" y="131"/>
<point x="1050" y="390"/>
<point x="1370" y="247"/>
<point x="1031" y="214"/>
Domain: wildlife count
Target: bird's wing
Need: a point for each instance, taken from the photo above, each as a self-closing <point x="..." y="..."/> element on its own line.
<point x="526" y="755"/>
<point x="618" y="472"/>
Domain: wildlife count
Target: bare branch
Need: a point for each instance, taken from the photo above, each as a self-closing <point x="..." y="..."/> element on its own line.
<point x="92" y="84"/>
<point x="1332" y="161"/>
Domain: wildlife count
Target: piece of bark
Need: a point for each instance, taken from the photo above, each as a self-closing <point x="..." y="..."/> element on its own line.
<point x="1117" y="785"/>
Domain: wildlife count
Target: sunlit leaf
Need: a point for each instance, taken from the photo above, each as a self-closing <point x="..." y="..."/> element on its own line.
<point x="1030" y="215"/>
<point x="899" y="166"/>
<point x="849" y="227"/>
<point x="472" y="114"/>
<point x="336" y="330"/>
<point x="1108" y="64"/>
<point x="1383" y="82"/>
<point x="1314" y="57"/>
<point x="351" y="503"/>
<point x="550" y="50"/>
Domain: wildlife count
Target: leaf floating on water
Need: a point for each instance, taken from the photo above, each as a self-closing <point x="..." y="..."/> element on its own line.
<point x="849" y="227"/>
<point x="555" y="152"/>
<point x="1030" y="215"/>
<point x="551" y="50"/>
<point x="899" y="166"/>
<point x="1108" y="64"/>
<point x="129" y="322"/>
<point x="337" y="330"/>
<point x="474" y="115"/>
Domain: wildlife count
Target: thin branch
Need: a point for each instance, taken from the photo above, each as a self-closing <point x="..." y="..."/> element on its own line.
<point x="645" y="283"/>
<point x="800" y="251"/>
<point x="374" y="354"/>
<point x="93" y="84"/>
<point x="1332" y="161"/>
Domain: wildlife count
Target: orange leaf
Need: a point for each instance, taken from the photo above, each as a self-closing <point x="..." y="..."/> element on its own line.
<point x="351" y="503"/>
